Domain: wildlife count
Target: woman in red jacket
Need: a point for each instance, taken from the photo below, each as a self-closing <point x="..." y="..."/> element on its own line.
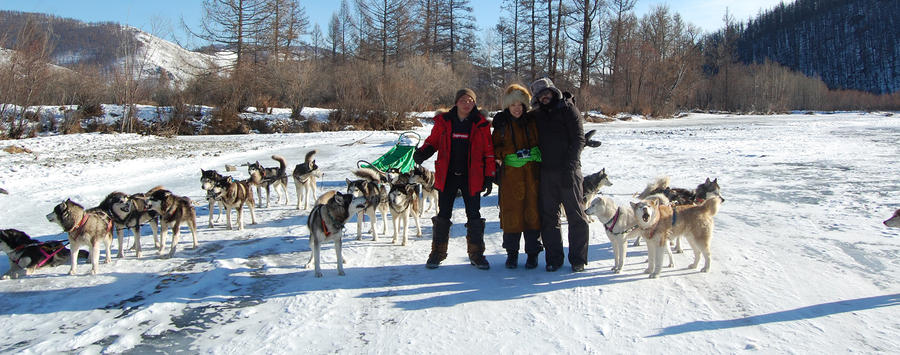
<point x="465" y="161"/>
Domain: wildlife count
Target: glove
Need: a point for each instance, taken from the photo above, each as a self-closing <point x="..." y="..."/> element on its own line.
<point x="592" y="143"/>
<point x="488" y="185"/>
<point x="422" y="154"/>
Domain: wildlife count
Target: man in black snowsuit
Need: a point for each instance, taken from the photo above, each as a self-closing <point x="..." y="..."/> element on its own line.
<point x="561" y="141"/>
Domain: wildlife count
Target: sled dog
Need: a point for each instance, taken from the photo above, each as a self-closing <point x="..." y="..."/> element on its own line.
<point x="269" y="177"/>
<point x="620" y="224"/>
<point x="85" y="228"/>
<point x="370" y="187"/>
<point x="173" y="211"/>
<point x="661" y="222"/>
<point x="26" y="255"/>
<point x="326" y="224"/>
<point x="130" y="212"/>
<point x="305" y="176"/>
<point x="592" y="185"/>
<point x="403" y="201"/>
<point x="208" y="180"/>
<point x="894" y="221"/>
<point x="679" y="196"/>
<point x="425" y="178"/>
<point x="235" y="194"/>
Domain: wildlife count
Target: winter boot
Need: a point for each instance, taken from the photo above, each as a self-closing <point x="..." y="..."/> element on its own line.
<point x="532" y="261"/>
<point x="439" y="240"/>
<point x="475" y="244"/>
<point x="512" y="259"/>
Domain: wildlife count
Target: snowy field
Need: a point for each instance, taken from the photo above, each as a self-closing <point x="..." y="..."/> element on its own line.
<point x="801" y="261"/>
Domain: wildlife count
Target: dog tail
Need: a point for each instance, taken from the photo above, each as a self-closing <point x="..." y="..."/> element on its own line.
<point x="309" y="157"/>
<point x="661" y="182"/>
<point x="367" y="174"/>
<point x="282" y="164"/>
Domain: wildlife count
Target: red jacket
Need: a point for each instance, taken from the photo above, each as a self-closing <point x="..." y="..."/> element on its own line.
<point x="481" y="150"/>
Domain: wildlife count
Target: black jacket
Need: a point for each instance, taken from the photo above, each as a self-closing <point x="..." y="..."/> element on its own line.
<point x="561" y="134"/>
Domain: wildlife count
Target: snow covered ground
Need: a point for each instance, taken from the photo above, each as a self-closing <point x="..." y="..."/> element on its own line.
<point x="801" y="261"/>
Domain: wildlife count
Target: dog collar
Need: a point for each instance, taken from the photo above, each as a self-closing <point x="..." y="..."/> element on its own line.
<point x="80" y="224"/>
<point x="612" y="222"/>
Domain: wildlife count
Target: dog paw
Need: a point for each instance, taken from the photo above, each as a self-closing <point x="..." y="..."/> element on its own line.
<point x="705" y="269"/>
<point x="72" y="272"/>
<point x="692" y="266"/>
<point x="318" y="274"/>
<point x="647" y="270"/>
<point x="653" y="276"/>
<point x="93" y="271"/>
<point x="341" y="273"/>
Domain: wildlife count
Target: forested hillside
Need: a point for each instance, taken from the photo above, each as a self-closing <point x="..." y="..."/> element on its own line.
<point x="850" y="44"/>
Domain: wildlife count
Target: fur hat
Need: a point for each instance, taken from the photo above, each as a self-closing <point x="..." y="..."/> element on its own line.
<point x="540" y="85"/>
<point x="465" y="91"/>
<point x="516" y="93"/>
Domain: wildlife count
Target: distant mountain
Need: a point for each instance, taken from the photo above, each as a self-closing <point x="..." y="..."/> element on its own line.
<point x="111" y="46"/>
<point x="850" y="44"/>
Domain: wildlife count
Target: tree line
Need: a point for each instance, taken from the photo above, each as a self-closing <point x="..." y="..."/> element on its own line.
<point x="379" y="59"/>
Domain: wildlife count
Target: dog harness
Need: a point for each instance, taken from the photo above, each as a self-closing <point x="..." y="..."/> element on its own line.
<point x="47" y="257"/>
<point x="325" y="228"/>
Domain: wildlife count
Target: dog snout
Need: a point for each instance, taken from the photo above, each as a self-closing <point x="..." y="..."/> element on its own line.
<point x="645" y="216"/>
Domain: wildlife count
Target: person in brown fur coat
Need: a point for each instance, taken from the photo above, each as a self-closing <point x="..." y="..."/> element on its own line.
<point x="515" y="139"/>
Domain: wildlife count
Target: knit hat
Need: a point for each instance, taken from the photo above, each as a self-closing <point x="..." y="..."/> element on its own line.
<point x="465" y="91"/>
<point x="540" y="85"/>
<point x="516" y="93"/>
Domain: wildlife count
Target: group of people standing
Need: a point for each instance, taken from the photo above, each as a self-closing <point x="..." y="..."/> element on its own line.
<point x="533" y="155"/>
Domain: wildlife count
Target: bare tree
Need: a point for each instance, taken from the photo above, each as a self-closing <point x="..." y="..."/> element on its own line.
<point x="619" y="14"/>
<point x="25" y="77"/>
<point x="233" y="23"/>
<point x="587" y="37"/>
<point x="386" y="27"/>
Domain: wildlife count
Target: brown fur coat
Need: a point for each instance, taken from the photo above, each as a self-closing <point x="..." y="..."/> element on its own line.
<point x="518" y="186"/>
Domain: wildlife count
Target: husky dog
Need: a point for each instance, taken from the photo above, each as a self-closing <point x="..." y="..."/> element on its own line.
<point x="269" y="177"/>
<point x="305" y="176"/>
<point x="425" y="178"/>
<point x="173" y="211"/>
<point x="661" y="222"/>
<point x="592" y="184"/>
<point x="234" y="194"/>
<point x="395" y="177"/>
<point x="2" y="191"/>
<point x="208" y="179"/>
<point x="620" y="225"/>
<point x="85" y="227"/>
<point x="326" y="224"/>
<point x="27" y="255"/>
<point x="894" y="221"/>
<point x="369" y="186"/>
<point x="130" y="212"/>
<point x="679" y="196"/>
<point x="404" y="200"/>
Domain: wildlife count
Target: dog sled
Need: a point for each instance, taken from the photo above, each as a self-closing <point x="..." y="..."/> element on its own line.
<point x="399" y="157"/>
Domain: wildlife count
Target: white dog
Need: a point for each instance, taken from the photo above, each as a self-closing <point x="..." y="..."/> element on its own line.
<point x="620" y="224"/>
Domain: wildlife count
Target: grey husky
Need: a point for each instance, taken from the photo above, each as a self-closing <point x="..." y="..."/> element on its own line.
<point x="404" y="201"/>
<point x="85" y="228"/>
<point x="130" y="212"/>
<point x="269" y="177"/>
<point x="894" y="221"/>
<point x="371" y="188"/>
<point x="679" y="196"/>
<point x="235" y="194"/>
<point x="592" y="184"/>
<point x="173" y="211"/>
<point x="305" y="176"/>
<point x="326" y="224"/>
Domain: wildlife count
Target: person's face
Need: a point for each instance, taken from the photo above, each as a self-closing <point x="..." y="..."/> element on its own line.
<point x="545" y="97"/>
<point x="517" y="109"/>
<point x="465" y="104"/>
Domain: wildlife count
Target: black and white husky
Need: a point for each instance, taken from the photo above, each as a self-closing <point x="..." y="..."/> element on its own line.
<point x="27" y="255"/>
<point x="680" y="196"/>
<point x="130" y="212"/>
<point x="235" y="194"/>
<point x="592" y="184"/>
<point x="85" y="227"/>
<point x="269" y="177"/>
<point x="425" y="178"/>
<point x="326" y="224"/>
<point x="173" y="211"/>
<point x="305" y="176"/>
<point x="208" y="180"/>
<point x="370" y="187"/>
<point x="404" y="201"/>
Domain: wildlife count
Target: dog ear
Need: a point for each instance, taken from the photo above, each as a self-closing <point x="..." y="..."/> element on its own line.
<point x="230" y="180"/>
<point x="633" y="205"/>
<point x="654" y="202"/>
<point x="715" y="181"/>
<point x="707" y="181"/>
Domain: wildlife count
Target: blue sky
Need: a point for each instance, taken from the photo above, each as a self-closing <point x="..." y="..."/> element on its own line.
<point x="162" y="17"/>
